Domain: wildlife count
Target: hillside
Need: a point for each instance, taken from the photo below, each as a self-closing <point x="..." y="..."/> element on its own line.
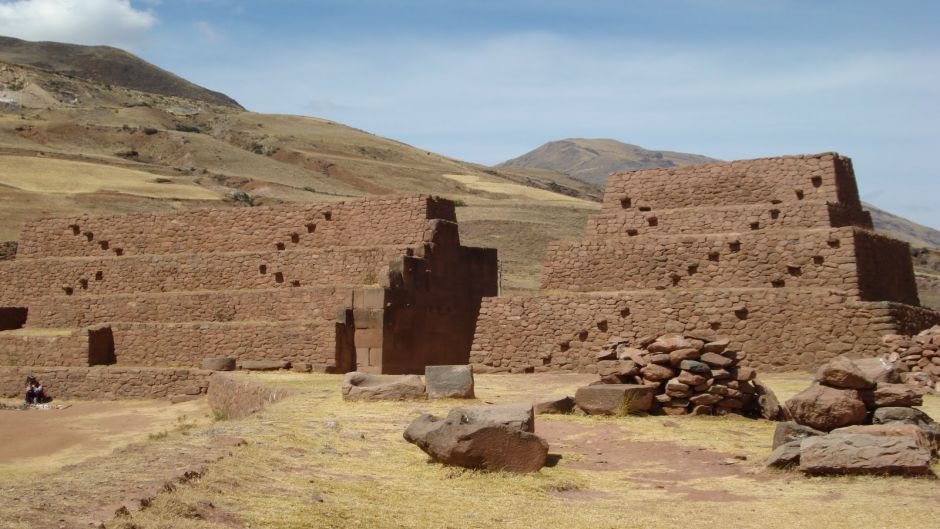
<point x="69" y="145"/>
<point x="107" y="66"/>
<point x="592" y="160"/>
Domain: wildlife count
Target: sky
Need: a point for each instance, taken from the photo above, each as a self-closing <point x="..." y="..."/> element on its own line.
<point x="488" y="80"/>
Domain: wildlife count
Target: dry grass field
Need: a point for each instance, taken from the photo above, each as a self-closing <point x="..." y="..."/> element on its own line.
<point x="315" y="461"/>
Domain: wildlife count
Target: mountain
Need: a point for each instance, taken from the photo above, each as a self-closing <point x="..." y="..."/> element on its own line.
<point x="107" y="66"/>
<point x="71" y="145"/>
<point x="592" y="160"/>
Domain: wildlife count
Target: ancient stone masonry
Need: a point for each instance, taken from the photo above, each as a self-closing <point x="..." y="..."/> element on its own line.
<point x="379" y="285"/>
<point x="776" y="254"/>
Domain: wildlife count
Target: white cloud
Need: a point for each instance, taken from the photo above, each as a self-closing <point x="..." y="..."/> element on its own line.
<point x="207" y="30"/>
<point x="114" y="22"/>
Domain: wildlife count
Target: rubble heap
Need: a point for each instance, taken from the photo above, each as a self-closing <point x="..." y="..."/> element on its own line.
<point x="917" y="357"/>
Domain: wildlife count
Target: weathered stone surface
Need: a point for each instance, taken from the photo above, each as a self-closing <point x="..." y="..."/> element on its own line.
<point x="676" y="357"/>
<point x="900" y="414"/>
<point x="863" y="454"/>
<point x="716" y="346"/>
<point x="670" y="343"/>
<point x="519" y="416"/>
<point x="878" y="370"/>
<point x="696" y="367"/>
<point x="787" y="432"/>
<point x="826" y="408"/>
<point x="691" y="379"/>
<point x="218" y="364"/>
<point x="483" y="445"/>
<point x="705" y="399"/>
<point x="842" y="372"/>
<point x="717" y="360"/>
<point x="263" y="365"/>
<point x="891" y="395"/>
<point x="889" y="430"/>
<point x="560" y="405"/>
<point x="745" y="374"/>
<point x="363" y="386"/>
<point x="614" y="399"/>
<point x="656" y="372"/>
<point x="449" y="382"/>
<point x="768" y="404"/>
<point x="674" y="388"/>
<point x="785" y="455"/>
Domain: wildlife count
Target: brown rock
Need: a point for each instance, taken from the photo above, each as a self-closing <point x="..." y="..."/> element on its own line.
<point x="669" y="343"/>
<point x="218" y="364"/>
<point x="483" y="446"/>
<point x="560" y="405"/>
<point x="863" y="454"/>
<point x="677" y="389"/>
<point x="826" y="408"/>
<point x="785" y="455"/>
<point x="520" y="416"/>
<point x="614" y="399"/>
<point x="716" y="360"/>
<point x="656" y="372"/>
<point x="691" y="379"/>
<point x="768" y="404"/>
<point x="878" y="369"/>
<point x="891" y="395"/>
<point x="717" y="346"/>
<point x="675" y="410"/>
<point x="638" y="356"/>
<point x="705" y="399"/>
<point x="363" y="386"/>
<point x="745" y="374"/>
<point x="676" y="357"/>
<point x="702" y="410"/>
<point x="787" y="432"/>
<point x="449" y="382"/>
<point x="841" y="372"/>
<point x="606" y="354"/>
<point x="904" y="415"/>
<point x="263" y="365"/>
<point x="659" y="358"/>
<point x="889" y="430"/>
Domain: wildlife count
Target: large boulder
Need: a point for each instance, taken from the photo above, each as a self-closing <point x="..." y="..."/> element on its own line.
<point x="785" y="455"/>
<point x="787" y="432"/>
<point x="893" y="414"/>
<point x="363" y="386"/>
<point x="767" y="403"/>
<point x="897" y="395"/>
<point x="519" y="416"/>
<point x="878" y="369"/>
<point x="841" y="372"/>
<point x="449" y="382"/>
<point x="482" y="446"/>
<point x="826" y="408"/>
<point x="863" y="454"/>
<point x="614" y="399"/>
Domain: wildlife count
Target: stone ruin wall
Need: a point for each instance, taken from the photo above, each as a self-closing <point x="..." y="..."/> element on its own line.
<point x="8" y="250"/>
<point x="376" y="284"/>
<point x="100" y="383"/>
<point x="774" y="253"/>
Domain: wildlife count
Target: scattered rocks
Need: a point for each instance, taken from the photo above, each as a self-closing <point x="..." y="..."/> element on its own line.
<point x="688" y="374"/>
<point x="614" y="399"/>
<point x="449" y="382"/>
<point x="363" y="386"/>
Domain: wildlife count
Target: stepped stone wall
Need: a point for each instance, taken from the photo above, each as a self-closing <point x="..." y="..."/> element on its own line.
<point x="380" y="285"/>
<point x="775" y="254"/>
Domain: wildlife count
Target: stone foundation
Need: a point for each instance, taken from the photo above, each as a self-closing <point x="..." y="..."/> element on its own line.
<point x="106" y="383"/>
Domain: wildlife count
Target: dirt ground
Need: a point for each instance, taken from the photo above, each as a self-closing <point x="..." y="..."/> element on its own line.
<point x="38" y="439"/>
<point x="313" y="460"/>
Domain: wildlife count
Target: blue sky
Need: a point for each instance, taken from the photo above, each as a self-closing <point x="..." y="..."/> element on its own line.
<point x="485" y="80"/>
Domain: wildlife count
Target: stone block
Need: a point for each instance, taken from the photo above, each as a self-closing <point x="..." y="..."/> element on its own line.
<point x="614" y="399"/>
<point x="449" y="382"/>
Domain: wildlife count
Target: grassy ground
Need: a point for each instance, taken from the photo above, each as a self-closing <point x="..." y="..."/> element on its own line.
<point x="315" y="461"/>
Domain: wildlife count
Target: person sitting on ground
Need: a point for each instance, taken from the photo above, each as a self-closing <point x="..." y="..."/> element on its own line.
<point x="35" y="393"/>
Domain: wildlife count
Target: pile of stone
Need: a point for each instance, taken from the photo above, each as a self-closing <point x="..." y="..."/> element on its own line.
<point x="917" y="357"/>
<point x="856" y="418"/>
<point x="495" y="438"/>
<point x="443" y="382"/>
<point x="685" y="374"/>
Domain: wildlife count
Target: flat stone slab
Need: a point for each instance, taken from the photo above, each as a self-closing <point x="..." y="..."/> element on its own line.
<point x="363" y="386"/>
<point x="519" y="416"/>
<point x="614" y="399"/>
<point x="863" y="454"/>
<point x="449" y="382"/>
<point x="263" y="365"/>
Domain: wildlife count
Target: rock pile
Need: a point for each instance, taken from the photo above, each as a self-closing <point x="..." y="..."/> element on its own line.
<point x="917" y="357"/>
<point x="869" y="416"/>
<point x="482" y="437"/>
<point x="687" y="374"/>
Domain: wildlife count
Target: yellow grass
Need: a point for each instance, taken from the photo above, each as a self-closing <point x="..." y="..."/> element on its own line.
<point x="70" y="177"/>
<point x="45" y="331"/>
<point x="477" y="183"/>
<point x="351" y="455"/>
